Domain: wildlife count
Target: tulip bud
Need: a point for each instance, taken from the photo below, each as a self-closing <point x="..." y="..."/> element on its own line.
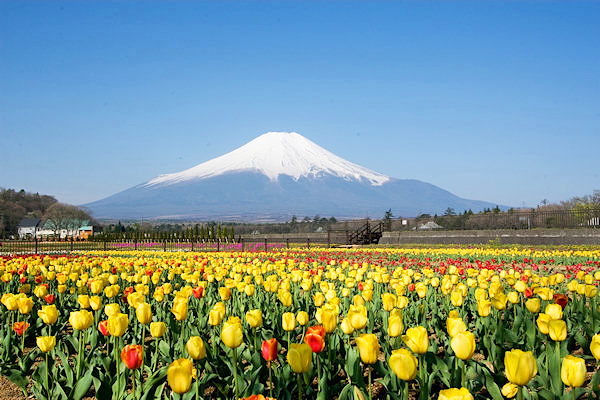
<point x="299" y="357"/>
<point x="533" y="305"/>
<point x="595" y="346"/>
<point x="117" y="324"/>
<point x="103" y="328"/>
<point x="557" y="328"/>
<point x="555" y="311"/>
<point x="195" y="348"/>
<point x="215" y="317"/>
<point x="510" y="390"/>
<point x="573" y="371"/>
<point x="288" y="321"/>
<point x="254" y="318"/>
<point x="143" y="312"/>
<point x="46" y="343"/>
<point x="328" y="319"/>
<point x="302" y="318"/>
<point x="179" y="375"/>
<point x="417" y="339"/>
<point x="463" y="345"/>
<point x="347" y="326"/>
<point x="48" y="314"/>
<point x="84" y="301"/>
<point x="542" y="322"/>
<point x="157" y="329"/>
<point x="132" y="356"/>
<point x="315" y="338"/>
<point x="20" y="327"/>
<point x="455" y="326"/>
<point x="269" y="349"/>
<point x="404" y="364"/>
<point x="81" y="320"/>
<point x="520" y="366"/>
<point x="395" y="326"/>
<point x="231" y="334"/>
<point x="112" y="309"/>
<point x="358" y="316"/>
<point x="224" y="293"/>
<point x="389" y="301"/>
<point x="368" y="346"/>
<point x="455" y="394"/>
<point x="484" y="307"/>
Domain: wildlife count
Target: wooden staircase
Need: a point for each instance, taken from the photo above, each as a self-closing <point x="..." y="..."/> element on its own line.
<point x="366" y="234"/>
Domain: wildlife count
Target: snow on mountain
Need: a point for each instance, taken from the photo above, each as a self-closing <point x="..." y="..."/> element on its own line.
<point x="274" y="154"/>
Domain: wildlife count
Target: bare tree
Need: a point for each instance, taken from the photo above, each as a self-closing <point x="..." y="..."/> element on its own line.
<point x="61" y="216"/>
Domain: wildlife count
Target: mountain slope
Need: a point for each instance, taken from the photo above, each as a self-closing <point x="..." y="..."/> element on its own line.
<point x="273" y="177"/>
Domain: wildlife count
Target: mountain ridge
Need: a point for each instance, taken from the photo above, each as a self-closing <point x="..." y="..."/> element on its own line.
<point x="275" y="176"/>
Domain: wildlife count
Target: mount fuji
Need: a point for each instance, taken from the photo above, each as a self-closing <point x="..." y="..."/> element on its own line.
<point x="273" y="177"/>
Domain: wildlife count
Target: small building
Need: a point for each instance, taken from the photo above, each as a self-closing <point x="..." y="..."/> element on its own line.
<point x="28" y="228"/>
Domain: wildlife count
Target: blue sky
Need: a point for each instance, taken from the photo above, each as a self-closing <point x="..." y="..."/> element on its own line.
<point x="491" y="100"/>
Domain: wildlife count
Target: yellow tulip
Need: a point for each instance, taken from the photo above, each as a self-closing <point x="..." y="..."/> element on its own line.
<point x="328" y="319"/>
<point x="590" y="291"/>
<point x="595" y="346"/>
<point x="232" y="334"/>
<point x="358" y="316"/>
<point x="25" y="304"/>
<point x="117" y="324"/>
<point x="180" y="308"/>
<point x="40" y="291"/>
<point x="456" y="298"/>
<point x="573" y="371"/>
<point x="195" y="348"/>
<point x="520" y="366"/>
<point x="484" y="307"/>
<point x="46" y="343"/>
<point x="347" y="326"/>
<point x="318" y="299"/>
<point x="285" y="298"/>
<point x="555" y="311"/>
<point x="215" y="317"/>
<point x="302" y="318"/>
<point x="81" y="320"/>
<point x="542" y="322"/>
<point x="368" y="346"/>
<point x="417" y="339"/>
<point x="224" y="293"/>
<point x="249" y="290"/>
<point x="510" y="390"/>
<point x="557" y="329"/>
<point x="499" y="301"/>
<point x="455" y="394"/>
<point x="395" y="326"/>
<point x="533" y="305"/>
<point x="463" y="345"/>
<point x="112" y="309"/>
<point x="404" y="364"/>
<point x="455" y="326"/>
<point x="158" y="329"/>
<point x="513" y="297"/>
<point x="389" y="301"/>
<point x="179" y="375"/>
<point x="84" y="301"/>
<point x="48" y="314"/>
<point x="143" y="312"/>
<point x="95" y="303"/>
<point x="299" y="357"/>
<point x="288" y="321"/>
<point x="254" y="318"/>
<point x="10" y="301"/>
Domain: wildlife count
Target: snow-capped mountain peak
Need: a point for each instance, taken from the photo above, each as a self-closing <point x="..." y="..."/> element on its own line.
<point x="274" y="154"/>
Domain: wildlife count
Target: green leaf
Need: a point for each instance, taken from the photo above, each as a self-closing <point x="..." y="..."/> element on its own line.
<point x="83" y="385"/>
<point x="346" y="392"/>
<point x="17" y="377"/>
<point x="492" y="387"/>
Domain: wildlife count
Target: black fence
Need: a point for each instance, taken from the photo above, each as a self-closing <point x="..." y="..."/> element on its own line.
<point x="245" y="244"/>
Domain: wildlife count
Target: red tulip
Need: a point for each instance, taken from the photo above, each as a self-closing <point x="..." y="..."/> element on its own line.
<point x="317" y="329"/>
<point x="269" y="349"/>
<point x="198" y="292"/>
<point x="50" y="298"/>
<point x="103" y="327"/>
<point x="315" y="341"/>
<point x="561" y="299"/>
<point x="20" y="327"/>
<point x="132" y="356"/>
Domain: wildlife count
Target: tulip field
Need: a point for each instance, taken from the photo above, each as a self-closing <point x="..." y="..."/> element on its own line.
<point x="443" y="323"/>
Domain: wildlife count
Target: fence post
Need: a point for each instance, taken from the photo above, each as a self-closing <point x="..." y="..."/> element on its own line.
<point x="265" y="244"/>
<point x="36" y="244"/>
<point x="287" y="242"/>
<point x="308" y="242"/>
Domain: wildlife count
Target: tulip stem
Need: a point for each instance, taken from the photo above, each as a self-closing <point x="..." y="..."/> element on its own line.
<point x="520" y="393"/>
<point x="270" y="380"/>
<point x="558" y="388"/>
<point x="299" y="388"/>
<point x="212" y="340"/>
<point x="235" y="372"/>
<point x="143" y="353"/>
<point x="116" y="351"/>
<point x="155" y="361"/>
<point x="462" y="376"/>
<point x="181" y="341"/>
<point x="370" y="394"/>
<point x="133" y="384"/>
<point x="405" y="390"/>
<point x="47" y="384"/>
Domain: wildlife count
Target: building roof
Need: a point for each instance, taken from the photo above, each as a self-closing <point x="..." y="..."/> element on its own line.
<point x="29" y="222"/>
